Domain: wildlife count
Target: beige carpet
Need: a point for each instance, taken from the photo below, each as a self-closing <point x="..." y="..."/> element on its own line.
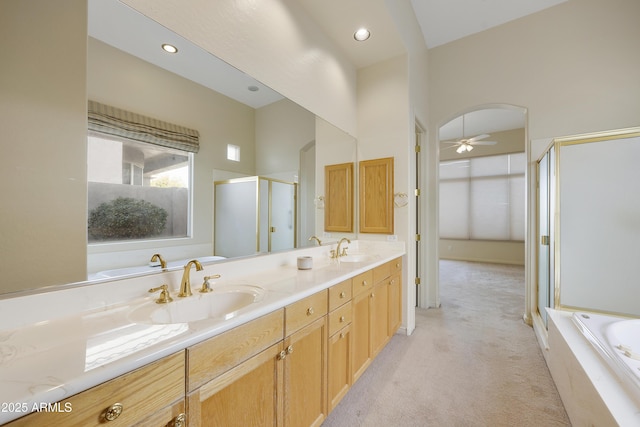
<point x="472" y="362"/>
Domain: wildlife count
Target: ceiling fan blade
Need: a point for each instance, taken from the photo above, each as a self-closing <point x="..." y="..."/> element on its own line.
<point x="478" y="137"/>
<point x="483" y="143"/>
<point x="450" y="142"/>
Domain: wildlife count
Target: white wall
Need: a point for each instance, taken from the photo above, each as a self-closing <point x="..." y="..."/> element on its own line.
<point x="574" y="67"/>
<point x="44" y="149"/>
<point x="275" y="42"/>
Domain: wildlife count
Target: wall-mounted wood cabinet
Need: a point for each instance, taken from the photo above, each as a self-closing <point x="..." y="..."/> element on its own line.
<point x="338" y="205"/>
<point x="376" y="196"/>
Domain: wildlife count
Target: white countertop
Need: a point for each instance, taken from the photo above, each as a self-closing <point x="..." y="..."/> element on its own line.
<point x="63" y="342"/>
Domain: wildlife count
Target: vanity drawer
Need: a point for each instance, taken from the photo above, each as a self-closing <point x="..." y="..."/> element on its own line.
<point x="217" y="355"/>
<point x="339" y="318"/>
<point x="339" y="294"/>
<point x="139" y="394"/>
<point x="305" y="311"/>
<point x="381" y="272"/>
<point x="396" y="265"/>
<point x="362" y="282"/>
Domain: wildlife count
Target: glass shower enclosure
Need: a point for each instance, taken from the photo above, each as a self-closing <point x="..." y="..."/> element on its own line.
<point x="254" y="215"/>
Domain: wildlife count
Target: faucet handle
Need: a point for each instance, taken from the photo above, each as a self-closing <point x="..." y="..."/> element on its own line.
<point x="344" y="252"/>
<point x="206" y="286"/>
<point x="164" y="297"/>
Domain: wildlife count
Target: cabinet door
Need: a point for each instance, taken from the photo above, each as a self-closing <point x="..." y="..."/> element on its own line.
<point x="338" y="206"/>
<point x="395" y="303"/>
<point x="248" y="395"/>
<point x="305" y="376"/>
<point x="361" y="355"/>
<point x="376" y="196"/>
<point x="379" y="300"/>
<point x="339" y="378"/>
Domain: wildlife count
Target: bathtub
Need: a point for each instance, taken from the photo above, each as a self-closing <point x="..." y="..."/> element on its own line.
<point x="617" y="340"/>
<point x="142" y="269"/>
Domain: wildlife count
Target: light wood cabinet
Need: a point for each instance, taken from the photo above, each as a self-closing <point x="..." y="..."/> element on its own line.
<point x="305" y="375"/>
<point x="361" y="314"/>
<point x="377" y="312"/>
<point x="340" y="343"/>
<point x="376" y="196"/>
<point x="151" y="395"/>
<point x="305" y="365"/>
<point x="249" y="394"/>
<point x="235" y="378"/>
<point x="395" y="296"/>
<point x="338" y="204"/>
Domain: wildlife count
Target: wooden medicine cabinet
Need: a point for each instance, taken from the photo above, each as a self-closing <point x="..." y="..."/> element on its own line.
<point x="338" y="204"/>
<point x="376" y="196"/>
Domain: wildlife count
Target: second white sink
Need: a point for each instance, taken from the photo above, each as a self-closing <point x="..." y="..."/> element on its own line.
<point x="223" y="303"/>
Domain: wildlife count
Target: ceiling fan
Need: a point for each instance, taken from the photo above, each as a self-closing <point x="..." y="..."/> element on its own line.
<point x="466" y="144"/>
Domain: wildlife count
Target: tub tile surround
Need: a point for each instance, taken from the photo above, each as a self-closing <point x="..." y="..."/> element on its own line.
<point x="56" y="344"/>
<point x="592" y="392"/>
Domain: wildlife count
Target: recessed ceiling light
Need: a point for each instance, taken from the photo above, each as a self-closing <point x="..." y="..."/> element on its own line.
<point x="362" y="34"/>
<point x="170" y="48"/>
<point x="253" y="88"/>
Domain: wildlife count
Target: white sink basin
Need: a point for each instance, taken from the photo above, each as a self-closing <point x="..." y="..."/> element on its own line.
<point x="356" y="258"/>
<point x="223" y="303"/>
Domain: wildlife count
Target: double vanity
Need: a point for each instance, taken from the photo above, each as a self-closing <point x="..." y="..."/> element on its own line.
<point x="271" y="344"/>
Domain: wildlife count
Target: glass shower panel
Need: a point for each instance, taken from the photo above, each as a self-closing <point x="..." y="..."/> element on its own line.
<point x="282" y="216"/>
<point x="543" y="237"/>
<point x="235" y="218"/>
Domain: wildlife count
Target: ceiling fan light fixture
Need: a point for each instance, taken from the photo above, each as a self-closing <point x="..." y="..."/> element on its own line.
<point x="460" y="149"/>
<point x="469" y="147"/>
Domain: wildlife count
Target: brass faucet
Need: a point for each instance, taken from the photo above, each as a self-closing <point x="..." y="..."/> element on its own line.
<point x="316" y="239"/>
<point x="185" y="284"/>
<point x="158" y="257"/>
<point x="336" y="253"/>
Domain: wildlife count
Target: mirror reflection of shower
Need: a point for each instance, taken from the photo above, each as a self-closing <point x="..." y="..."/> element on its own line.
<point x="254" y="215"/>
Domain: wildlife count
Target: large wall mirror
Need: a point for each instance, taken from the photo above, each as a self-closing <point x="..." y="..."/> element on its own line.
<point x="274" y="137"/>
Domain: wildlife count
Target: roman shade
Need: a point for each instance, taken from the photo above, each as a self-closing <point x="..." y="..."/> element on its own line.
<point x="114" y="121"/>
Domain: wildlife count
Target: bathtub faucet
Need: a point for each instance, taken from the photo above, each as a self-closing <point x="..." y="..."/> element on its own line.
<point x="185" y="284"/>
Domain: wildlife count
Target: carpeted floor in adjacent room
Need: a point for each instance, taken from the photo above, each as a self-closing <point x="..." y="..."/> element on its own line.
<point x="472" y="362"/>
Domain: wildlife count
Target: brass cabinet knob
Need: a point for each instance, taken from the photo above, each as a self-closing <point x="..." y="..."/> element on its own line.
<point x="113" y="411"/>
<point x="180" y="421"/>
<point x="282" y="355"/>
<point x="341" y="319"/>
<point x="342" y="294"/>
<point x="397" y="265"/>
<point x="393" y="282"/>
<point x="290" y="349"/>
<point x="310" y="311"/>
<point x="341" y="334"/>
<point x="364" y="283"/>
<point x="373" y="295"/>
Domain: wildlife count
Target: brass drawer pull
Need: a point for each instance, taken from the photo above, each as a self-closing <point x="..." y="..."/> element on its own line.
<point x="180" y="421"/>
<point x="364" y="283"/>
<point x="290" y="349"/>
<point x="341" y="319"/>
<point x="310" y="311"/>
<point x="113" y="411"/>
<point x="342" y="294"/>
<point x="341" y="335"/>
